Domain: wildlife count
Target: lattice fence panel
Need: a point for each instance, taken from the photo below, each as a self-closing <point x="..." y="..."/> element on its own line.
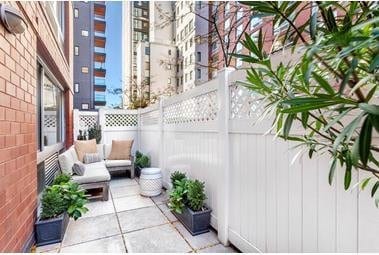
<point x="86" y="121"/>
<point x="50" y="120"/>
<point x="150" y="118"/>
<point x="120" y="120"/>
<point x="244" y="103"/>
<point x="201" y="108"/>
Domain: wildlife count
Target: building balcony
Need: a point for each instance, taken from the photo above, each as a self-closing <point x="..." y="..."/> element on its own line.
<point x="100" y="26"/>
<point x="99" y="72"/>
<point x="99" y="57"/>
<point x="100" y="87"/>
<point x="99" y="10"/>
<point x="100" y="41"/>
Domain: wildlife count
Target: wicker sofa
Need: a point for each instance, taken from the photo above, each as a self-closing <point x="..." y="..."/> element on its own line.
<point x="96" y="175"/>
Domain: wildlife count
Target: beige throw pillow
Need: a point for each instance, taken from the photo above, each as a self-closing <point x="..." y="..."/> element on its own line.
<point x="120" y="149"/>
<point x="83" y="147"/>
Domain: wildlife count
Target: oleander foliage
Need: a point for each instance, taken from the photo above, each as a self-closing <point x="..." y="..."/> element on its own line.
<point x="331" y="90"/>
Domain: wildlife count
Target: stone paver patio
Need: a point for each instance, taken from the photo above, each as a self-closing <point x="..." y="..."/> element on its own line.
<point x="128" y="222"/>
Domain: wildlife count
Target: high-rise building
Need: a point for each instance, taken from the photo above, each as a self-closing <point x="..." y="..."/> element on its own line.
<point x="135" y="29"/>
<point x="89" y="55"/>
<point x="156" y="59"/>
<point x="191" y="40"/>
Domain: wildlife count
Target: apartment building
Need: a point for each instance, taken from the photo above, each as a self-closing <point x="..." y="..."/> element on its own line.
<point x="36" y="100"/>
<point x="233" y="20"/>
<point x="191" y="40"/>
<point x="135" y="29"/>
<point x="89" y="55"/>
<point x="156" y="59"/>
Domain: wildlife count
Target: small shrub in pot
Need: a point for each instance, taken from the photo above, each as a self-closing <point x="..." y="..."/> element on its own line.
<point x="141" y="161"/>
<point x="62" y="200"/>
<point x="187" y="203"/>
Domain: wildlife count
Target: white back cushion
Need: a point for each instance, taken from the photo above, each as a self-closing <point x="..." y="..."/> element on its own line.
<point x="100" y="150"/>
<point x="107" y="150"/>
<point x="66" y="161"/>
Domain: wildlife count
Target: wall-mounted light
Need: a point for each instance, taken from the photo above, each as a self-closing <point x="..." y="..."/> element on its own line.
<point x="12" y="19"/>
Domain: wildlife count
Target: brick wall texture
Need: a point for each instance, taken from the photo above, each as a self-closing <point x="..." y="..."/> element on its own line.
<point x="18" y="100"/>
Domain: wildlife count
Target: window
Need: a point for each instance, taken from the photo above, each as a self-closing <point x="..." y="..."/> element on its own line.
<point x="169" y="52"/>
<point x="198" y="73"/>
<point x="76" y="13"/>
<point x="84" y="69"/>
<point x="169" y="81"/>
<point x="226" y="38"/>
<point x="85" y="106"/>
<point x="239" y="14"/>
<point x="50" y="110"/>
<point x="191" y="75"/>
<point x="198" y="56"/>
<point x="147" y="50"/>
<point x="255" y="22"/>
<point x="76" y="50"/>
<point x="191" y="59"/>
<point x="214" y="46"/>
<point x="227" y="8"/>
<point x="239" y="47"/>
<point x="239" y="30"/>
<point x="76" y="87"/>
<point x="186" y="45"/>
<point x="185" y="77"/>
<point x="190" y="25"/>
<point x="191" y="42"/>
<point x="227" y="24"/>
<point x="238" y="62"/>
<point x="198" y="5"/>
<point x="84" y="33"/>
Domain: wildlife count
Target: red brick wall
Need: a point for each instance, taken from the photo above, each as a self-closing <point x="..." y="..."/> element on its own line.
<point x="18" y="150"/>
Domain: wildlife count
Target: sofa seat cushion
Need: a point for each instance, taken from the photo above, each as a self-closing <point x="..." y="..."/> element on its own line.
<point x="117" y="162"/>
<point x="95" y="172"/>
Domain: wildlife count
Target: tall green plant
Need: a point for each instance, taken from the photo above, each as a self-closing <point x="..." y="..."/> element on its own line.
<point x="196" y="195"/>
<point x="330" y="90"/>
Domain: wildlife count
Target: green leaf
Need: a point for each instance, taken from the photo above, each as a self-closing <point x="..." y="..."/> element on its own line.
<point x="307" y="107"/>
<point x="355" y="152"/>
<point x="374" y="188"/>
<point x="365" y="182"/>
<point x="287" y="125"/>
<point x="332" y="170"/>
<point x="347" y="179"/>
<point x="369" y="108"/>
<point x="365" y="141"/>
<point x="374" y="63"/>
<point x="304" y="119"/>
<point x="347" y="132"/>
<point x="375" y="122"/>
<point x="323" y="83"/>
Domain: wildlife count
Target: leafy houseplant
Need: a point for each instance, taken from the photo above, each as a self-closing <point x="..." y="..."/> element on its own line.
<point x="60" y="201"/>
<point x="82" y="135"/>
<point x="187" y="203"/>
<point x="141" y="161"/>
<point x="61" y="178"/>
<point x="177" y="176"/>
<point x="95" y="133"/>
<point x="329" y="91"/>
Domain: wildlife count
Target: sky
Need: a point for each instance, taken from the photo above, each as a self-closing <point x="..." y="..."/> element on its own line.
<point x="113" y="50"/>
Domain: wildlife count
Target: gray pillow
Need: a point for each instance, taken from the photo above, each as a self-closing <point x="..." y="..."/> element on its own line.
<point x="78" y="168"/>
<point x="91" y="158"/>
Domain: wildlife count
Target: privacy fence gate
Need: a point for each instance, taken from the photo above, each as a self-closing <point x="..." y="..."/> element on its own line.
<point x="261" y="201"/>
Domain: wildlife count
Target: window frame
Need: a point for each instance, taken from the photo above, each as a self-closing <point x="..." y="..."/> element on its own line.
<point x="44" y="151"/>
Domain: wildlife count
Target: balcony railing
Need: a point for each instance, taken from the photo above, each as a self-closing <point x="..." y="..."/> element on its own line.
<point x="99" y="72"/>
<point x="100" y="41"/>
<point x="100" y="26"/>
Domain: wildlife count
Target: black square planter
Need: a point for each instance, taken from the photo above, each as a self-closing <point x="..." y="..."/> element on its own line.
<point x="195" y="222"/>
<point x="51" y="231"/>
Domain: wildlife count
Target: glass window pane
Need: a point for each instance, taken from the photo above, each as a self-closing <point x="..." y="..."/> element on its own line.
<point x="52" y="113"/>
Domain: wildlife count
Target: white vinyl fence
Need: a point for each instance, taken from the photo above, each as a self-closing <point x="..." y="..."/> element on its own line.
<point x="261" y="201"/>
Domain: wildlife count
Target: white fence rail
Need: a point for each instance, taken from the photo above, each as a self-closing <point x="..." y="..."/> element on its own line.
<point x="260" y="201"/>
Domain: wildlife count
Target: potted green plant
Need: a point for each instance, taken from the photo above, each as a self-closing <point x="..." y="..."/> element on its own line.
<point x="141" y="161"/>
<point x="95" y="133"/>
<point x="187" y="204"/>
<point x="62" y="200"/>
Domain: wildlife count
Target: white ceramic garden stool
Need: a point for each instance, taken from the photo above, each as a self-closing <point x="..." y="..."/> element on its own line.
<point x="150" y="182"/>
